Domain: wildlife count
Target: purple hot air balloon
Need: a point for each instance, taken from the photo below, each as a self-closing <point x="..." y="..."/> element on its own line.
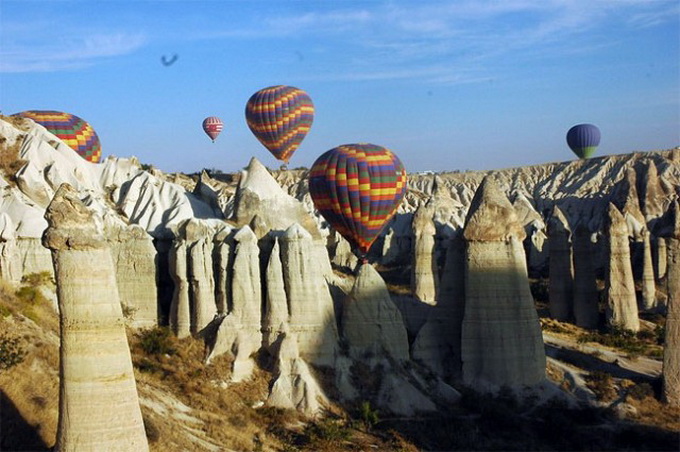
<point x="583" y="139"/>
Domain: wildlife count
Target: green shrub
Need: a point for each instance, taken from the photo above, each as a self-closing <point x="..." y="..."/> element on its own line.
<point x="11" y="352"/>
<point x="158" y="341"/>
<point x="369" y="417"/>
<point x="326" y="432"/>
<point x="37" y="279"/>
<point x="5" y="311"/>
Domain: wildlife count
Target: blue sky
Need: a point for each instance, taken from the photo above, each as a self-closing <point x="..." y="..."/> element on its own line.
<point x="445" y="85"/>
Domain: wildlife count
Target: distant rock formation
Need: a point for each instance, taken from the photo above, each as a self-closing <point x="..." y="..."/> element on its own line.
<point x="98" y="404"/>
<point x="424" y="271"/>
<point x="199" y="238"/>
<point x="648" y="292"/>
<point x="561" y="286"/>
<point x="622" y="310"/>
<point x="501" y="341"/>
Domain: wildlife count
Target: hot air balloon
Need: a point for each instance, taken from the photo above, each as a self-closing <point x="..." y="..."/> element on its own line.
<point x="75" y="132"/>
<point x="583" y="139"/>
<point x="212" y="126"/>
<point x="280" y="117"/>
<point x="358" y="188"/>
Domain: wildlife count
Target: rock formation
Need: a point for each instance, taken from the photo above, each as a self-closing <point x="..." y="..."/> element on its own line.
<point x="660" y="258"/>
<point x="312" y="317"/>
<point x="622" y="310"/>
<point x="501" y="342"/>
<point x="437" y="344"/>
<point x="180" y="311"/>
<point x="276" y="307"/>
<point x="98" y="405"/>
<point x="648" y="300"/>
<point x="424" y="271"/>
<point x="561" y="289"/>
<point x="671" y="354"/>
<point x="294" y="387"/>
<point x="10" y="263"/>
<point x="200" y="274"/>
<point x="371" y="322"/>
<point x="239" y="332"/>
<point x="134" y="257"/>
<point x="585" y="284"/>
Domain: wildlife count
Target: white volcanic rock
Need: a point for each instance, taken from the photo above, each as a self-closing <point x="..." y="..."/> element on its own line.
<point x="437" y="344"/>
<point x="10" y="263"/>
<point x="536" y="242"/>
<point x="561" y="268"/>
<point x="647" y="280"/>
<point x="158" y="206"/>
<point x="276" y="308"/>
<point x="371" y="322"/>
<point x="622" y="310"/>
<point x="134" y="258"/>
<point x="239" y="332"/>
<point x="293" y="386"/>
<point x="343" y="256"/>
<point x="585" y="284"/>
<point x="501" y="342"/>
<point x="424" y="271"/>
<point x="28" y="218"/>
<point x="659" y="257"/>
<point x="671" y="355"/>
<point x="222" y="256"/>
<point x="200" y="274"/>
<point x="98" y="404"/>
<point x="180" y="311"/>
<point x="651" y="193"/>
<point x="312" y="316"/>
<point x="258" y="193"/>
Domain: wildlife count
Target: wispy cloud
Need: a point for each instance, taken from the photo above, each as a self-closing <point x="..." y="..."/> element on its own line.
<point x="452" y="41"/>
<point x="74" y="52"/>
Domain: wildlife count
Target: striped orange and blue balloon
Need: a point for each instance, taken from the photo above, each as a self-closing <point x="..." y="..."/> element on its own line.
<point x="583" y="139"/>
<point x="280" y="117"/>
<point x="358" y="188"/>
<point x="77" y="133"/>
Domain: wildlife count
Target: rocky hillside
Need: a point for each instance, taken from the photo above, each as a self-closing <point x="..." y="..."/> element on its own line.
<point x="229" y="315"/>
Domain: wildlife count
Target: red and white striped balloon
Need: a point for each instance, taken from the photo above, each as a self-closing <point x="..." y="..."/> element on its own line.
<point x="212" y="126"/>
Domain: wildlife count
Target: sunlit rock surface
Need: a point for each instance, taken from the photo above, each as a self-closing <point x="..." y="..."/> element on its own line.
<point x="98" y="405"/>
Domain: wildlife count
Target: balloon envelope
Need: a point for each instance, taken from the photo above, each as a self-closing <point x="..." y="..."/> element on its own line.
<point x="358" y="188"/>
<point x="77" y="133"/>
<point x="583" y="139"/>
<point x="280" y="117"/>
<point x="212" y="126"/>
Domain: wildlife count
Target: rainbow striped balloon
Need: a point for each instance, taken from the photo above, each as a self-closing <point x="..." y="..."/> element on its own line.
<point x="77" y="133"/>
<point x="358" y="188"/>
<point x="280" y="117"/>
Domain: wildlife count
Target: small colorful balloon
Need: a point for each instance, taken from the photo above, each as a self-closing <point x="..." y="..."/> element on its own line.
<point x="77" y="133"/>
<point x="280" y="117"/>
<point x="583" y="139"/>
<point x="212" y="126"/>
<point x="357" y="188"/>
